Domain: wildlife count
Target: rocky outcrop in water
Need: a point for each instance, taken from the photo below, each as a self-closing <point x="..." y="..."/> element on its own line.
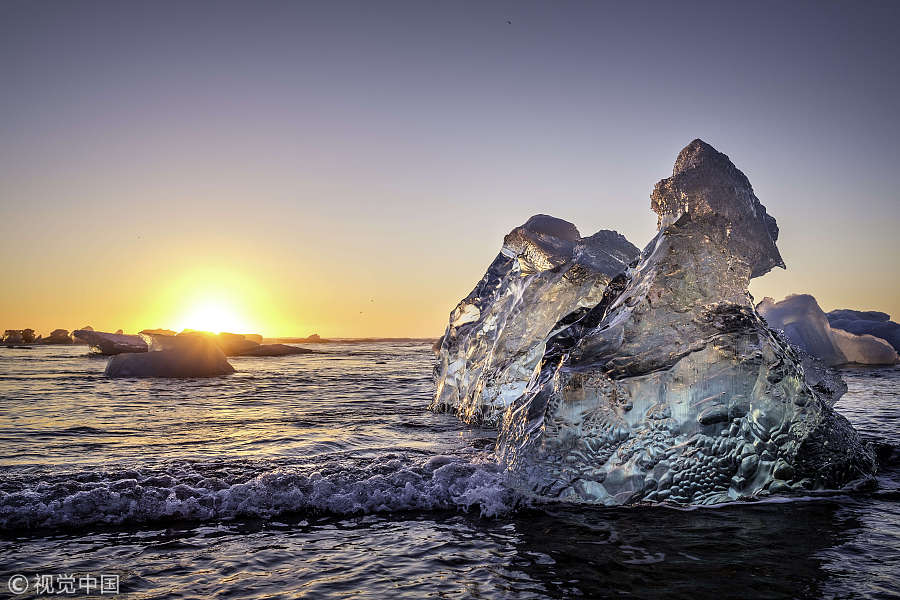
<point x="496" y="335"/>
<point x="805" y="325"/>
<point x="672" y="388"/>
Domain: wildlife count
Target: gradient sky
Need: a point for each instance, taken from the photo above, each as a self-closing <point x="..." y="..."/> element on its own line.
<point x="351" y="168"/>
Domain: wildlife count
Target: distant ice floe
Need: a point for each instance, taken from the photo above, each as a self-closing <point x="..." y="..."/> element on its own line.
<point x="163" y="353"/>
<point x="110" y="344"/>
<point x="869" y="322"/>
<point x="805" y="325"/>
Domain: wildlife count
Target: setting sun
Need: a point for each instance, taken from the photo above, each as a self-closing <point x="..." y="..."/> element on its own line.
<point x="213" y="314"/>
<point x="370" y="299"/>
<point x="212" y="298"/>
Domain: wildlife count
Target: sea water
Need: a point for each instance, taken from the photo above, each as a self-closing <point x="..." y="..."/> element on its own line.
<point x="324" y="475"/>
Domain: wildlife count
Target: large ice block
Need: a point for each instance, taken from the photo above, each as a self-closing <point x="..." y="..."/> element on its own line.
<point x="672" y="388"/>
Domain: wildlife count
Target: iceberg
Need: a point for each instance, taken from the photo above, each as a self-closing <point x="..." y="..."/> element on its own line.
<point x="158" y="332"/>
<point x="57" y="336"/>
<point x="496" y="334"/>
<point x="172" y="356"/>
<point x="234" y="344"/>
<point x="865" y="349"/>
<point x="672" y="388"/>
<point x="231" y="344"/>
<point x="868" y="322"/>
<point x="18" y="336"/>
<point x="247" y="344"/>
<point x="805" y="325"/>
<point x="275" y="350"/>
<point x="104" y="343"/>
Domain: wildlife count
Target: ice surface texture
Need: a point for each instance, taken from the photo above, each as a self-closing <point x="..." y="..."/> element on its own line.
<point x="805" y="325"/>
<point x="496" y="335"/>
<point x="672" y="388"/>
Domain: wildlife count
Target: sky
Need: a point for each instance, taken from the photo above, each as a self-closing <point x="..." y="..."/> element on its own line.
<point x="350" y="168"/>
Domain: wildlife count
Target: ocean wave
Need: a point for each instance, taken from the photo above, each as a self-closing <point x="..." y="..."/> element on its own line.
<point x="389" y="483"/>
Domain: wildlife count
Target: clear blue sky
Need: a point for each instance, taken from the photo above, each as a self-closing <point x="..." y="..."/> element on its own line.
<point x="351" y="168"/>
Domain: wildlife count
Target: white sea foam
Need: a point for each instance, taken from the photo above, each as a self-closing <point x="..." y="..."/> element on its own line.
<point x="385" y="484"/>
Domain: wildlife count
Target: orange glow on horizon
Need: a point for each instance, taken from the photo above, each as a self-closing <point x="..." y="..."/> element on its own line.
<point x="214" y="314"/>
<point x="213" y="299"/>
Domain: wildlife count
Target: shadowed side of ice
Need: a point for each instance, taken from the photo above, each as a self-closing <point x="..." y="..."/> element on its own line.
<point x="172" y="356"/>
<point x="804" y="324"/>
<point x="672" y="388"/>
<point x="867" y="322"/>
<point x="496" y="335"/>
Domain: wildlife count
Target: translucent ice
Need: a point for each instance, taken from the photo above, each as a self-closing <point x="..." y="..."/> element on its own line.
<point x="672" y="388"/>
<point x="496" y="334"/>
<point x="805" y="325"/>
<point x="865" y="349"/>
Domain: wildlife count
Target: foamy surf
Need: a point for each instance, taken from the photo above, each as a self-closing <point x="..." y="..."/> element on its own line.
<point x="389" y="483"/>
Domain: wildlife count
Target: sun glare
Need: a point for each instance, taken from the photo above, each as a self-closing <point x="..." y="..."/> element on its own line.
<point x="215" y="299"/>
<point x="215" y="315"/>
